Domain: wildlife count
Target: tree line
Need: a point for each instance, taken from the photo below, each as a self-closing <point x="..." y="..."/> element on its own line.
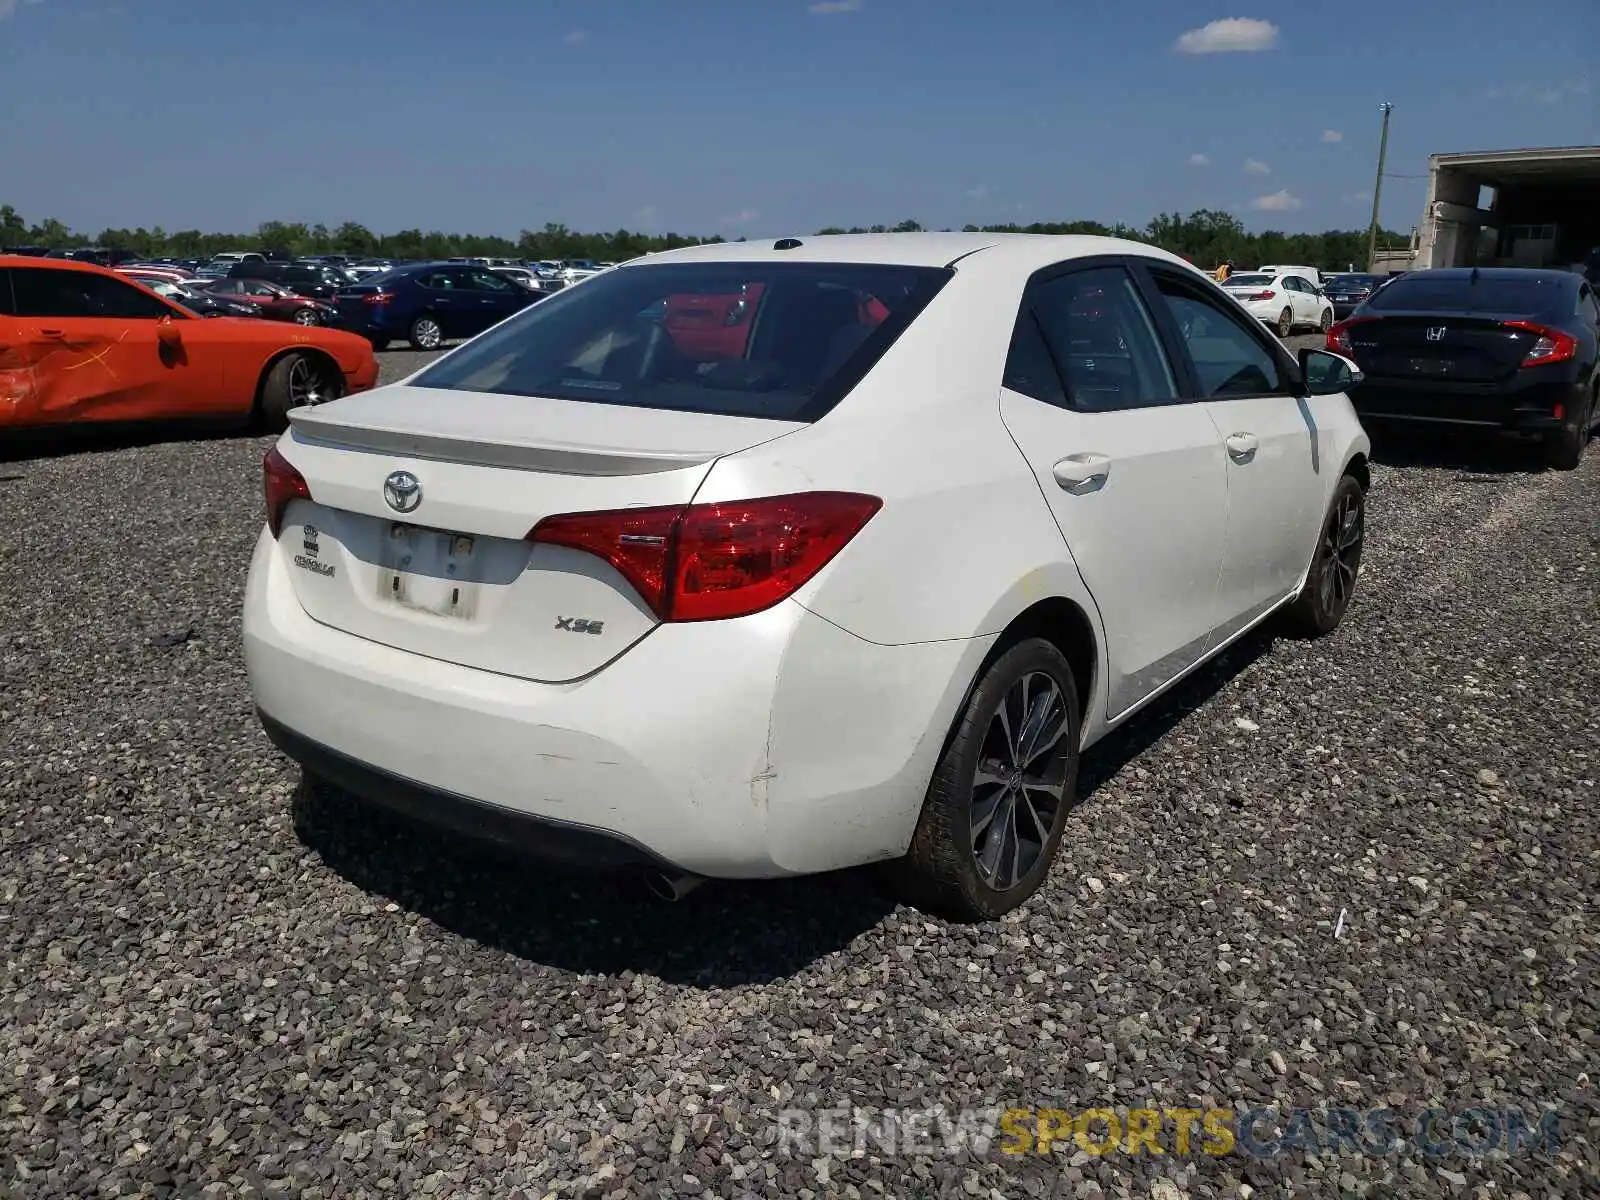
<point x="1206" y="237"/>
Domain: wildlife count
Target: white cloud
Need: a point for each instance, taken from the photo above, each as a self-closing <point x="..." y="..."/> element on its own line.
<point x="1278" y="202"/>
<point x="827" y="8"/>
<point x="8" y="8"/>
<point x="743" y="217"/>
<point x="979" y="192"/>
<point x="1254" y="166"/>
<point x="647" y="215"/>
<point x="1199" y="160"/>
<point x="1229" y="35"/>
<point x="1332" y="135"/>
<point x="576" y="38"/>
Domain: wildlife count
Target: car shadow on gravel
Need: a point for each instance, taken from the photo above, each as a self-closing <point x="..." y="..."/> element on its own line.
<point x="1123" y="745"/>
<point x="723" y="934"/>
<point x="1470" y="452"/>
<point x="23" y="445"/>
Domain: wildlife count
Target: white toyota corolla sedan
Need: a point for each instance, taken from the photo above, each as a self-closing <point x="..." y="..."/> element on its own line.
<point x="754" y="560"/>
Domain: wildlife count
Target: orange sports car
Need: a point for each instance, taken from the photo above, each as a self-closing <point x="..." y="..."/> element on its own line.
<point x="81" y="343"/>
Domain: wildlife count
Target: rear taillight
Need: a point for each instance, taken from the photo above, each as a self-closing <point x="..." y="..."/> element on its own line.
<point x="282" y="483"/>
<point x="376" y="298"/>
<point x="1339" y="336"/>
<point x="1550" y="345"/>
<point x="707" y="562"/>
<point x="1266" y="295"/>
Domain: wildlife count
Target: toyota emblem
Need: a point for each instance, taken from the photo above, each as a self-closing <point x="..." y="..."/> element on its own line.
<point x="403" y="491"/>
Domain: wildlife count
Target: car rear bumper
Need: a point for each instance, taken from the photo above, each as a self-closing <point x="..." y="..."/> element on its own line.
<point x="774" y="744"/>
<point x="1537" y="409"/>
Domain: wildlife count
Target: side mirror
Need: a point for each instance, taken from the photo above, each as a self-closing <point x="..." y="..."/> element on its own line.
<point x="168" y="333"/>
<point x="1327" y="373"/>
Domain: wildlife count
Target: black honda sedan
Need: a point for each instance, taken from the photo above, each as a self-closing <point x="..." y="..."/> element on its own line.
<point x="1493" y="348"/>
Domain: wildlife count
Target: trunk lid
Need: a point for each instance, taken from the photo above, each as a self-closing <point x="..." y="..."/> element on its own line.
<point x="1463" y="347"/>
<point x="453" y="577"/>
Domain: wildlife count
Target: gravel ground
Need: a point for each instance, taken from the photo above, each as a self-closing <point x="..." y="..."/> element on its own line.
<point x="217" y="982"/>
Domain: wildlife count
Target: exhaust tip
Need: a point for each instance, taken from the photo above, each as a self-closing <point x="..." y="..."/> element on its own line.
<point x="671" y="887"/>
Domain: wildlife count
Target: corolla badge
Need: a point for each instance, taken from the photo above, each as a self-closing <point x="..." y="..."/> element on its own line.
<point x="403" y="491"/>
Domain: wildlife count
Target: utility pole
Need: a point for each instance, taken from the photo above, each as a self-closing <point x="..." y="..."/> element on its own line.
<point x="1377" y="188"/>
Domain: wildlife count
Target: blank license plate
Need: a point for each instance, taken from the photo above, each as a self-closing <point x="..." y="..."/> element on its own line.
<point x="427" y="570"/>
<point x="1431" y="365"/>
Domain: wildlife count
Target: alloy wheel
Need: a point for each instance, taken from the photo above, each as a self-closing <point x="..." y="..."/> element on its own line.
<point x="427" y="333"/>
<point x="1021" y="780"/>
<point x="305" y="385"/>
<point x="305" y="316"/>
<point x="1341" y="553"/>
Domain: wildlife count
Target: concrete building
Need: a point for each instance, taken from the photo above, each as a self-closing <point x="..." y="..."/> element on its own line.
<point x="1521" y="208"/>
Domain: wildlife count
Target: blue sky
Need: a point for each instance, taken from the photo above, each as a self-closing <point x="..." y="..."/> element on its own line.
<point x="764" y="117"/>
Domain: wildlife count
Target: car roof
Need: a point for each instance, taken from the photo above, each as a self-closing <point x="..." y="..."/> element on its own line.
<point x="1021" y="250"/>
<point x="55" y="264"/>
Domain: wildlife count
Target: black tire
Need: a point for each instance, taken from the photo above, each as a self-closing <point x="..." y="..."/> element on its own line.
<point x="296" y="380"/>
<point x="1326" y="323"/>
<point x="1563" y="451"/>
<point x="426" y="333"/>
<point x="941" y="872"/>
<point x="306" y="316"/>
<point x="1335" y="567"/>
<point x="1285" y="323"/>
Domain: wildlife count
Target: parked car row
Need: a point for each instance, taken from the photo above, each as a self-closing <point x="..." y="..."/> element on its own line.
<point x="82" y="344"/>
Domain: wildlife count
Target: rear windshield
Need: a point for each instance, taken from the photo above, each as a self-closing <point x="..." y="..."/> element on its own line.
<point x="780" y="340"/>
<point x="1461" y="293"/>
<point x="1353" y="281"/>
<point x="1248" y="280"/>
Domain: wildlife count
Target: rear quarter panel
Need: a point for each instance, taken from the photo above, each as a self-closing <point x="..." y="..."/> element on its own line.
<point x="965" y="540"/>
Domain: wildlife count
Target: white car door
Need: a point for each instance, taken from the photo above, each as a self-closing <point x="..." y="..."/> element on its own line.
<point x="1304" y="299"/>
<point x="1135" y="476"/>
<point x="1246" y="383"/>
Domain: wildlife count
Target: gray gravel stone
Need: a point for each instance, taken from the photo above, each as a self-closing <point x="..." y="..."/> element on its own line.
<point x="218" y="981"/>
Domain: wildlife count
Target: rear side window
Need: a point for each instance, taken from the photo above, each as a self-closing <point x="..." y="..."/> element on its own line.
<point x="1462" y="293"/>
<point x="7" y="308"/>
<point x="780" y="340"/>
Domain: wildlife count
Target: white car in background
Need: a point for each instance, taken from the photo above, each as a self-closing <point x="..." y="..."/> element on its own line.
<point x="765" y="559"/>
<point x="1285" y="301"/>
<point x="1312" y="273"/>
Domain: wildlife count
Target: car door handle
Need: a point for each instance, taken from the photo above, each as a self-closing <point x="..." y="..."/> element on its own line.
<point x="1242" y="446"/>
<point x="53" y="333"/>
<point x="1080" y="473"/>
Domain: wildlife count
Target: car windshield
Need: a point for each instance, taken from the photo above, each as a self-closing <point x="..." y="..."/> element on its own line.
<point x="779" y="340"/>
<point x="1252" y="280"/>
<point x="1426" y="292"/>
<point x="1352" y="282"/>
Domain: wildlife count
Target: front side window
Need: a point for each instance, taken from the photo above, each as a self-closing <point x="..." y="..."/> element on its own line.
<point x="76" y="294"/>
<point x="1228" y="357"/>
<point x="779" y="340"/>
<point x="1103" y="340"/>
